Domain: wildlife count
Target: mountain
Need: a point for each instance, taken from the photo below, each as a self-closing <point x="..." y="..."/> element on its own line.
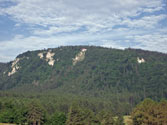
<point x="129" y="75"/>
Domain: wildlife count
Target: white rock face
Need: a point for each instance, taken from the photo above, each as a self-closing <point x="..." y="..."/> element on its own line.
<point x="80" y="56"/>
<point x="49" y="58"/>
<point x="14" y="67"/>
<point x="40" y="55"/>
<point x="84" y="50"/>
<point x="140" y="60"/>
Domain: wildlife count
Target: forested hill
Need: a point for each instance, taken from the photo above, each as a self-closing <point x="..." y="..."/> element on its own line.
<point x="88" y="70"/>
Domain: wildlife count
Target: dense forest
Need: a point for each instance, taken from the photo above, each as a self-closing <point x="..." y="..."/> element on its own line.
<point x="84" y="85"/>
<point x="16" y="111"/>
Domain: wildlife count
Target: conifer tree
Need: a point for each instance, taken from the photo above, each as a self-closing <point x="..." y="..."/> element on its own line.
<point x="105" y="118"/>
<point x="80" y="116"/>
<point x="35" y="114"/>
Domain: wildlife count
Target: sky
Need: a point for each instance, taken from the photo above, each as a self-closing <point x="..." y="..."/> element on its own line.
<point x="40" y="24"/>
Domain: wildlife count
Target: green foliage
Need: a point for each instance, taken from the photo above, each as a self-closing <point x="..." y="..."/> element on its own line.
<point x="81" y="116"/>
<point x="35" y="113"/>
<point x="7" y="117"/>
<point x="12" y="112"/>
<point x="30" y="111"/>
<point x="105" y="118"/>
<point x="57" y="118"/>
<point x="119" y="121"/>
<point x="103" y="69"/>
<point x="108" y="80"/>
<point x="150" y="112"/>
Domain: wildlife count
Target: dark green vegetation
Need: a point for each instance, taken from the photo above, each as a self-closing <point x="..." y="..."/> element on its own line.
<point x="150" y="112"/>
<point x="105" y="84"/>
<point x="32" y="112"/>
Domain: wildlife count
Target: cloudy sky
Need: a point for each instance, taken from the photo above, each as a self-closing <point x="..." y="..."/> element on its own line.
<point x="38" y="24"/>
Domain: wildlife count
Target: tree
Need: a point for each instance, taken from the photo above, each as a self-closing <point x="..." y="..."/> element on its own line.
<point x="20" y="115"/>
<point x="12" y="112"/>
<point x="161" y="112"/>
<point x="35" y="113"/>
<point x="150" y="112"/>
<point x="119" y="121"/>
<point x="105" y="118"/>
<point x="143" y="113"/>
<point x="57" y="119"/>
<point x="80" y="116"/>
<point x="7" y="117"/>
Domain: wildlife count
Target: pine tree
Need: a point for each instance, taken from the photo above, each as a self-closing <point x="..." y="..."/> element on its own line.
<point x="57" y="119"/>
<point x="105" y="118"/>
<point x="80" y="116"/>
<point x="35" y="113"/>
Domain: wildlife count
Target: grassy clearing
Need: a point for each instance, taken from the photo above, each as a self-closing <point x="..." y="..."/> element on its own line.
<point x="6" y="124"/>
<point x="127" y="120"/>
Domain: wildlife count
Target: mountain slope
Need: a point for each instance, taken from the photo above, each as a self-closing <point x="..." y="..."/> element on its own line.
<point x="89" y="70"/>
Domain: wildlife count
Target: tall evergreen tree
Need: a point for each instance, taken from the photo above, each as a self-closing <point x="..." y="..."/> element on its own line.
<point x="80" y="116"/>
<point x="105" y="118"/>
<point x="35" y="114"/>
<point x="57" y="119"/>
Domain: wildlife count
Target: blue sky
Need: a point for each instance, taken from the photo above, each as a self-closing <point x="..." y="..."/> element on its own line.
<point x="38" y="24"/>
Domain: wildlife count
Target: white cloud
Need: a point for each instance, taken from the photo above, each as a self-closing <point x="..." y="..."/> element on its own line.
<point x="96" y="22"/>
<point x="153" y="42"/>
<point x="119" y="38"/>
<point x="151" y="10"/>
<point x="111" y="44"/>
<point x="5" y="58"/>
<point x="145" y="22"/>
<point x="55" y="30"/>
<point x="70" y="15"/>
<point x="67" y="12"/>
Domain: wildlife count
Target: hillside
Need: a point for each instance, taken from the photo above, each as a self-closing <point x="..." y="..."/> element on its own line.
<point x="84" y="68"/>
<point x="96" y="78"/>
